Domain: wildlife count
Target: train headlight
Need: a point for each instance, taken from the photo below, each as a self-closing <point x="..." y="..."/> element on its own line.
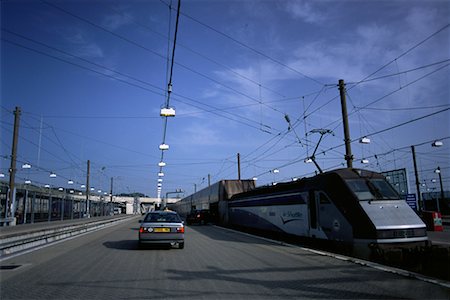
<point x="385" y="234"/>
<point x="401" y="233"/>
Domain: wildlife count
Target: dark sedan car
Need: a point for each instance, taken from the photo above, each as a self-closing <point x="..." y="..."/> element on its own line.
<point x="198" y="217"/>
<point x="162" y="227"/>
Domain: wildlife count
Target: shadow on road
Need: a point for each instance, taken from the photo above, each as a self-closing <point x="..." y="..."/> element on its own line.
<point x="134" y="245"/>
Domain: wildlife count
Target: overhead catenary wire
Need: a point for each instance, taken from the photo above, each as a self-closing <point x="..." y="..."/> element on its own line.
<point x="385" y="65"/>
<point x="371" y="134"/>
<point x="231" y="70"/>
<point x="111" y="70"/>
<point x="251" y="48"/>
<point x="237" y="119"/>
<point x="219" y="110"/>
<point x="156" y="53"/>
<point x="404" y="53"/>
<point x="169" y="87"/>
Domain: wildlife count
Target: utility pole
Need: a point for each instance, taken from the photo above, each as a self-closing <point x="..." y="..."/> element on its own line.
<point x="438" y="170"/>
<point x="348" y="148"/>
<point x="209" y="180"/>
<point x="416" y="173"/>
<point x="111" y="212"/>
<point x="239" y="165"/>
<point x="111" y="191"/>
<point x="12" y="169"/>
<point x="87" y="186"/>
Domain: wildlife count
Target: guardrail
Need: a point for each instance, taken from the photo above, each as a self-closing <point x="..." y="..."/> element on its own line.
<point x="19" y="241"/>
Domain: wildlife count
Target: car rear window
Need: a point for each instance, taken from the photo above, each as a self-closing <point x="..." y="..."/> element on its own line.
<point x="156" y="217"/>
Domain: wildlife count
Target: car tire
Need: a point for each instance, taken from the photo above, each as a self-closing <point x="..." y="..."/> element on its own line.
<point x="181" y="245"/>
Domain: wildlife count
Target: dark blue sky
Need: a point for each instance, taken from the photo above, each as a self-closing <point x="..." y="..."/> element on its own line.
<point x="95" y="73"/>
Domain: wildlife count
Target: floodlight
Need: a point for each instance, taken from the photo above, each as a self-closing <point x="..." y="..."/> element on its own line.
<point x="437" y="144"/>
<point x="364" y="140"/>
<point x="167" y="112"/>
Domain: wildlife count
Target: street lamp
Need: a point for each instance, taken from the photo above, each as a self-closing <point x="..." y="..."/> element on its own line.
<point x="163" y="147"/>
<point x="437" y="144"/>
<point x="364" y="140"/>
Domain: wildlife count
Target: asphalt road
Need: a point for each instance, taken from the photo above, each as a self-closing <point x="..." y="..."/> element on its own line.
<point x="215" y="263"/>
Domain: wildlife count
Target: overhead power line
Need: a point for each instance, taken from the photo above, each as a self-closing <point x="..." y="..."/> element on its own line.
<point x="404" y="53"/>
<point x="357" y="139"/>
<point x="237" y="119"/>
<point x="158" y="54"/>
<point x="251" y="48"/>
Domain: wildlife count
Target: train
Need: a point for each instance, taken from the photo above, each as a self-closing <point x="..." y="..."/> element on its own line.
<point x="353" y="208"/>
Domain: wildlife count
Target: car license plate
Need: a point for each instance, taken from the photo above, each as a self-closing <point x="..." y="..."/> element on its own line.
<point x="164" y="229"/>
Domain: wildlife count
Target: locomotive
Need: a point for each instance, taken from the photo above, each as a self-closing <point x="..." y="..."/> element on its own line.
<point x="355" y="208"/>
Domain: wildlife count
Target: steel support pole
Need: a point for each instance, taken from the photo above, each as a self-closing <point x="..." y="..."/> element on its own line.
<point x="348" y="148"/>
<point x="239" y="165"/>
<point x="12" y="169"/>
<point x="87" y="189"/>
<point x="442" y="189"/>
<point x="416" y="173"/>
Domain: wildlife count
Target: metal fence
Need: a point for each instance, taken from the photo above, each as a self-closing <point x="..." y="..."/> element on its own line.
<point x="33" y="204"/>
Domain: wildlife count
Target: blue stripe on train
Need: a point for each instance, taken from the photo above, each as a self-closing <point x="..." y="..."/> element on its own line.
<point x="268" y="201"/>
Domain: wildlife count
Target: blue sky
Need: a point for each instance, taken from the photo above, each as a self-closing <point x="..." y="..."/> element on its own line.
<point x="91" y="77"/>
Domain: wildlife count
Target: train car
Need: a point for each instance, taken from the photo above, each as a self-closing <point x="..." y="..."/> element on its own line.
<point x="356" y="208"/>
<point x="213" y="198"/>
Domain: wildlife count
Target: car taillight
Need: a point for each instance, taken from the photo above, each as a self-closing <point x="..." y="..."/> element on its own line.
<point x="180" y="229"/>
<point x="199" y="216"/>
<point x="141" y="230"/>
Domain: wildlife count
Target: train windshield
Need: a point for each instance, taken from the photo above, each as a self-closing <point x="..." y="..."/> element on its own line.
<point x="372" y="189"/>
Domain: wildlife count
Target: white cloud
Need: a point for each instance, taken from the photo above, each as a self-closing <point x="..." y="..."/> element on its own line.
<point x="199" y="135"/>
<point x="304" y="11"/>
<point x="81" y="44"/>
<point x="113" y="22"/>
